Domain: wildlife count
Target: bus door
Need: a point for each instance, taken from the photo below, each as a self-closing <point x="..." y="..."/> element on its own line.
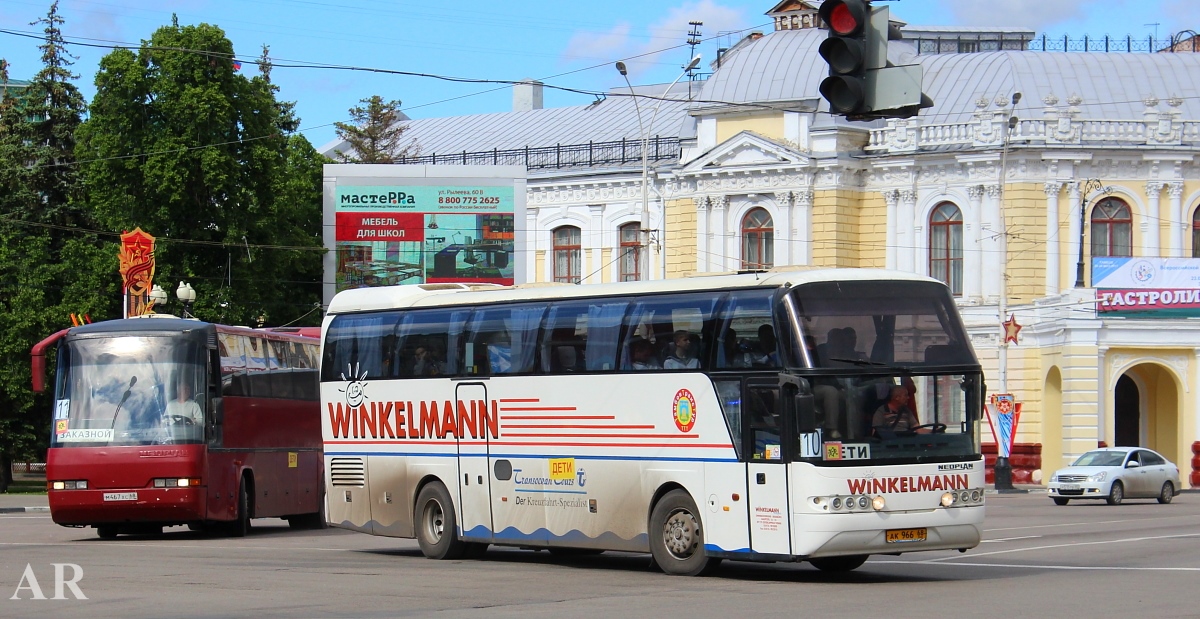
<point x="766" y="468"/>
<point x="474" y="480"/>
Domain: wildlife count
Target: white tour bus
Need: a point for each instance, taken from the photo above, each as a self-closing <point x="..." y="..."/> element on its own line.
<point x="820" y="416"/>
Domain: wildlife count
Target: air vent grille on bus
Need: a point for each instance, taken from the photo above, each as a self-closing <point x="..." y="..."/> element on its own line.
<point x="347" y="472"/>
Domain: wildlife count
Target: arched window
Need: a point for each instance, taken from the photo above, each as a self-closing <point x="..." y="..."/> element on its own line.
<point x="758" y="240"/>
<point x="566" y="254"/>
<point x="631" y="252"/>
<point x="945" y="245"/>
<point x="1196" y="234"/>
<point x="1112" y="229"/>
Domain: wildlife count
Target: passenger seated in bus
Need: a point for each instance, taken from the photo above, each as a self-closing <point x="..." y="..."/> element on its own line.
<point x="641" y="355"/>
<point x="767" y="355"/>
<point x="895" y="416"/>
<point x="683" y="357"/>
<point x="738" y="354"/>
<point x="423" y="363"/>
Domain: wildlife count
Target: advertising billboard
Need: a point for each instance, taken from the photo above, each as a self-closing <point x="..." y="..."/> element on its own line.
<point x="392" y="225"/>
<point x="1147" y="287"/>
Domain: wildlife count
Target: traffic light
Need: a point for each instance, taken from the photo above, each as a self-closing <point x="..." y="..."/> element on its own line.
<point x="862" y="84"/>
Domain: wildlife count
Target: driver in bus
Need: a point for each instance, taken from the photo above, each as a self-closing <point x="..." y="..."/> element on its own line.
<point x="183" y="409"/>
<point x="895" y="415"/>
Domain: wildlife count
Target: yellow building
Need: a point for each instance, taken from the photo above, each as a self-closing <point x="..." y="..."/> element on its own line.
<point x="747" y="169"/>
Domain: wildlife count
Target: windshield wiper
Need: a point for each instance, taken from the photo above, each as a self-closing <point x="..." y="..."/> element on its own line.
<point x="128" y="392"/>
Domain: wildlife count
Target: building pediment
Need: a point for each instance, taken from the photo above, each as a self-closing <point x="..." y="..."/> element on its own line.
<point x="747" y="150"/>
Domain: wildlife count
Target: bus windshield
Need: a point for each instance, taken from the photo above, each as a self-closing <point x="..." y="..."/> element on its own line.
<point x="129" y="390"/>
<point x="890" y="371"/>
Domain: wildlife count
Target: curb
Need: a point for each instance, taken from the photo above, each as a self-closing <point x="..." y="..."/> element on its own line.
<point x="18" y="510"/>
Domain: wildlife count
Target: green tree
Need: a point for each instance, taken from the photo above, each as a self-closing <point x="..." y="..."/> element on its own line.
<point x="48" y="269"/>
<point x="376" y="133"/>
<point x="183" y="145"/>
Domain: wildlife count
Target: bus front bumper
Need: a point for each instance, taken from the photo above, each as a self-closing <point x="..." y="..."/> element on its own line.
<point x="140" y="505"/>
<point x="868" y="533"/>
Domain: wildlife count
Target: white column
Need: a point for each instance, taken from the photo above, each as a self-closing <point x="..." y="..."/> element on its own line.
<point x="993" y="227"/>
<point x="703" y="237"/>
<point x="892" y="198"/>
<point x="535" y="242"/>
<point x="1074" y="229"/>
<point x="1052" y="189"/>
<point x="972" y="247"/>
<point x="802" y="226"/>
<point x="784" y="239"/>
<point x="718" y="253"/>
<point x="1151" y="224"/>
<point x="1180" y="222"/>
<point x="594" y="243"/>
<point x="907" y="224"/>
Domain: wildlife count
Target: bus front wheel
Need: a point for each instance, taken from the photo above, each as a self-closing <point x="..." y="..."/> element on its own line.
<point x="107" y="532"/>
<point x="676" y="537"/>
<point x="437" y="529"/>
<point x="241" y="526"/>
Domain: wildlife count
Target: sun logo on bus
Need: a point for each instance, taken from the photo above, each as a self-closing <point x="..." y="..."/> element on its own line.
<point x="355" y="390"/>
<point x="684" y="410"/>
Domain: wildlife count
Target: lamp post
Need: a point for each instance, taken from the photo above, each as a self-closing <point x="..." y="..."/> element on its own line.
<point x="158" y="296"/>
<point x="187" y="296"/>
<point x="1089" y="186"/>
<point x="1002" y="470"/>
<point x="644" y="261"/>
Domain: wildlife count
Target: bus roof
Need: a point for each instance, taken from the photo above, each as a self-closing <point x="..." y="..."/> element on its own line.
<point x="425" y="295"/>
<point x="170" y="324"/>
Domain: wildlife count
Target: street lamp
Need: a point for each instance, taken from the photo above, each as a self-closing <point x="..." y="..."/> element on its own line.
<point x="1089" y="186"/>
<point x="187" y="296"/>
<point x="1002" y="470"/>
<point x="158" y="296"/>
<point x="645" y="131"/>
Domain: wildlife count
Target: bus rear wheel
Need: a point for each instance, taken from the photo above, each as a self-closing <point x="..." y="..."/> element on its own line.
<point x="838" y="564"/>
<point x="676" y="536"/>
<point x="437" y="528"/>
<point x="107" y="532"/>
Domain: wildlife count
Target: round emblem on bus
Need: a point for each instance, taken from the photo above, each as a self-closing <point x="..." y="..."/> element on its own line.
<point x="684" y="410"/>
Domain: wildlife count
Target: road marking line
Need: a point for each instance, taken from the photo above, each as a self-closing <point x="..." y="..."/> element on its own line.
<point x="1114" y="541"/>
<point x="1076" y="524"/>
<point x="1010" y="539"/>
<point x="1055" y="567"/>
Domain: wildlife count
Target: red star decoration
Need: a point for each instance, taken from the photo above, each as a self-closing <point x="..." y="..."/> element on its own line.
<point x="1011" y="329"/>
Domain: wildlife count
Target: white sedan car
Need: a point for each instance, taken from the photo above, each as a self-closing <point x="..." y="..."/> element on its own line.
<point x="1115" y="474"/>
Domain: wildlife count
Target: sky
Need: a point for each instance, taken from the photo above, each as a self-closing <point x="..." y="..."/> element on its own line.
<point x="568" y="44"/>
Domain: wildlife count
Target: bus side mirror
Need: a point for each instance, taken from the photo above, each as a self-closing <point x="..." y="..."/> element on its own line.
<point x="806" y="413"/>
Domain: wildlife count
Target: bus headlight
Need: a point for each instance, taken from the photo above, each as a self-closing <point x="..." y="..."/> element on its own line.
<point x="878" y="503"/>
<point x="947" y="499"/>
<point x="836" y="503"/>
<point x="862" y="502"/>
<point x="80" y="484"/>
<point x="176" y="482"/>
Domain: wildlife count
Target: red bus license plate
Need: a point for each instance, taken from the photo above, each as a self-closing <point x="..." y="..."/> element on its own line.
<point x="899" y="536"/>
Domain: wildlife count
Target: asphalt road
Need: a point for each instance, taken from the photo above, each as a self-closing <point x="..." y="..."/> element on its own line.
<point x="1140" y="559"/>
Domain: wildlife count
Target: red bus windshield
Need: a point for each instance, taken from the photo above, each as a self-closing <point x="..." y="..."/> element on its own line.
<point x="130" y="390"/>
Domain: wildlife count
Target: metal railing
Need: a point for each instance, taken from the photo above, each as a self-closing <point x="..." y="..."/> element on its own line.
<point x="592" y="154"/>
<point x="988" y="42"/>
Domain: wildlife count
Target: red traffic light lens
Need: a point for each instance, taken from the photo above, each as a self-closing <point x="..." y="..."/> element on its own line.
<point x="842" y="20"/>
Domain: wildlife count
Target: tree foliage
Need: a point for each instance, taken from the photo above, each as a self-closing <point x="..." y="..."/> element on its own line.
<point x="180" y="143"/>
<point x="375" y="134"/>
<point x="47" y="268"/>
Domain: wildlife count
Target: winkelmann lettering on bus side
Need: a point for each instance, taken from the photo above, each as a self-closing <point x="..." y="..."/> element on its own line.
<point x="425" y="420"/>
<point x="923" y="483"/>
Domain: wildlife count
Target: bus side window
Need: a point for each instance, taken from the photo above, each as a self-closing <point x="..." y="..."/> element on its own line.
<point x="428" y="343"/>
<point x="355" y="346"/>
<point x="680" y="325"/>
<point x="504" y="339"/>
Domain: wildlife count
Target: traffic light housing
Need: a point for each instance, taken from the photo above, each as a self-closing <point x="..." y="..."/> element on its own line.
<point x="862" y="85"/>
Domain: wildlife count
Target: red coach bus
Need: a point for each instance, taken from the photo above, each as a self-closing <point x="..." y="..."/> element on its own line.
<point x="160" y="421"/>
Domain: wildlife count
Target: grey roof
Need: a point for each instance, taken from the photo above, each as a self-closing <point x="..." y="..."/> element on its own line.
<point x="785" y="66"/>
<point x="609" y="120"/>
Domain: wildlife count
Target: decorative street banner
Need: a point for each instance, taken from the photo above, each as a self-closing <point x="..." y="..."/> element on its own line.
<point x="137" y="271"/>
<point x="1004" y="421"/>
<point x="414" y="234"/>
<point x="1147" y="287"/>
